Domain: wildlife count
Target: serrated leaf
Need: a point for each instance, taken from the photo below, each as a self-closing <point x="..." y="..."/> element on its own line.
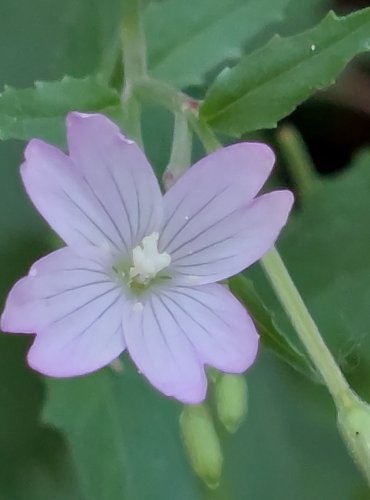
<point x="40" y="111"/>
<point x="123" y="436"/>
<point x="188" y="39"/>
<point x="271" y="336"/>
<point x="267" y="85"/>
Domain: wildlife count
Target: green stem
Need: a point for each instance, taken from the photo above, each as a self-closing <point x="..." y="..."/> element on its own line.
<point x="134" y="61"/>
<point x="205" y="134"/>
<point x="180" y="158"/>
<point x="306" y="328"/>
<point x="297" y="159"/>
<point x="109" y="61"/>
<point x="132" y="120"/>
<point x="178" y="102"/>
<point x="149" y="89"/>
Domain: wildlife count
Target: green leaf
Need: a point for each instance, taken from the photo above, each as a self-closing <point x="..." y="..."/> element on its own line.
<point x="123" y="436"/>
<point x="271" y="336"/>
<point x="188" y="39"/>
<point x="41" y="111"/>
<point x="267" y="85"/>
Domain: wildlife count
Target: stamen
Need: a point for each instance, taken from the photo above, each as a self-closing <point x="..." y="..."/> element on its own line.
<point x="148" y="262"/>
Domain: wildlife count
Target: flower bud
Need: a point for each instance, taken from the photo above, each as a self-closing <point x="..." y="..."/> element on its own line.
<point x="231" y="400"/>
<point x="354" y="426"/>
<point x="202" y="443"/>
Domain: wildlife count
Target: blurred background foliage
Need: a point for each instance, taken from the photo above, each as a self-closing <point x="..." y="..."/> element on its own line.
<point x="110" y="436"/>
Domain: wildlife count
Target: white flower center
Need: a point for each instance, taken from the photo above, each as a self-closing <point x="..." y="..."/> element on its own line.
<point x="148" y="262"/>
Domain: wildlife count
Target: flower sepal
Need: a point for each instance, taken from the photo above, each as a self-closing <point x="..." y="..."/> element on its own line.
<point x="354" y="425"/>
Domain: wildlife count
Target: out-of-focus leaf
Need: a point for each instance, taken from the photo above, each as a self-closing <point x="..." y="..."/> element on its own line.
<point x="267" y="85"/>
<point x="272" y="336"/>
<point x="40" y="111"/>
<point x="124" y="437"/>
<point x="91" y="37"/>
<point x="125" y="440"/>
<point x="33" y="458"/>
<point x="45" y="39"/>
<point x="188" y="39"/>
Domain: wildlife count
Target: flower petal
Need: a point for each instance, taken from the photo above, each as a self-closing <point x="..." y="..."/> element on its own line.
<point x="106" y="194"/>
<point x="71" y="350"/>
<point x="162" y="352"/>
<point x="209" y="252"/>
<point x="60" y="194"/>
<point x="118" y="174"/>
<point x="75" y="307"/>
<point x="215" y="323"/>
<point x="217" y="185"/>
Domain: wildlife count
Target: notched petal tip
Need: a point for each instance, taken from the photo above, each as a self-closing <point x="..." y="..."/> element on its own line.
<point x="194" y="397"/>
<point x="248" y="355"/>
<point x="38" y="366"/>
<point x="258" y="155"/>
<point x="78" y="117"/>
<point x="4" y="322"/>
<point x="6" y="319"/>
<point x="94" y="124"/>
<point x="23" y="169"/>
<point x="289" y="196"/>
<point x="184" y="393"/>
<point x="261" y="149"/>
<point x="70" y="359"/>
<point x="52" y="371"/>
<point x="75" y="118"/>
<point x="12" y="320"/>
<point x="285" y="200"/>
<point x="35" y="147"/>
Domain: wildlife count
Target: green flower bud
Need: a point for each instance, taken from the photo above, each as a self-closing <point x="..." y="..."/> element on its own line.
<point x="231" y="394"/>
<point x="202" y="443"/>
<point x="354" y="426"/>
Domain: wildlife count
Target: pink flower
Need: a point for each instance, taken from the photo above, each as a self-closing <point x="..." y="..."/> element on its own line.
<point x="140" y="269"/>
